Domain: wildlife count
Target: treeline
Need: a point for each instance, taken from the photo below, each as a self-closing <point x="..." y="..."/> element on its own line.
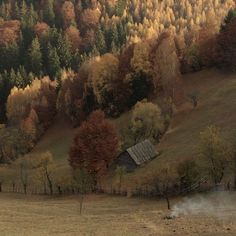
<point x="30" y="111"/>
<point x="213" y="168"/>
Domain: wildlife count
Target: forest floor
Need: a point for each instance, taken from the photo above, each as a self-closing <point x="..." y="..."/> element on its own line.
<point x="105" y="216"/>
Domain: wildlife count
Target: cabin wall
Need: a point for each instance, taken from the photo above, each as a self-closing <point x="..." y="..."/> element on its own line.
<point x="126" y="161"/>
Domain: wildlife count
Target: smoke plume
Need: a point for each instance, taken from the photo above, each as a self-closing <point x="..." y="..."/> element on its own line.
<point x="218" y="204"/>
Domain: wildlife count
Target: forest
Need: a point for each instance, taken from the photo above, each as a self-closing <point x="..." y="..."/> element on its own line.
<point x="92" y="61"/>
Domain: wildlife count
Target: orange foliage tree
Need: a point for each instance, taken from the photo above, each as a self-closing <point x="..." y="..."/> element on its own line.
<point x="95" y="145"/>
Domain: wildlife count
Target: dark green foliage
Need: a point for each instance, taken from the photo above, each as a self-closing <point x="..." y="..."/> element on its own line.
<point x="53" y="62"/>
<point x="48" y="13"/>
<point x="121" y="4"/>
<point x="229" y="18"/>
<point x="35" y="57"/>
<point x="141" y="86"/>
<point x="226" y="50"/>
<point x="100" y="41"/>
<point x="64" y="51"/>
<point x="9" y="57"/>
<point x="5" y="87"/>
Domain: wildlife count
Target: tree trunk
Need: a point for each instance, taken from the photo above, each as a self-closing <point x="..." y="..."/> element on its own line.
<point x="59" y="190"/>
<point x="81" y="204"/>
<point x="13" y="187"/>
<point x="0" y="187"/>
<point x="235" y="181"/>
<point x="167" y="201"/>
<point x="44" y="187"/>
<point x="25" y="188"/>
<point x="50" y="188"/>
<point x="49" y="183"/>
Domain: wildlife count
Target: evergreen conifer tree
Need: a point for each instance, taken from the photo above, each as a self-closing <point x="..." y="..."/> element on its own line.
<point x="64" y="51"/>
<point x="100" y="41"/>
<point x="53" y="62"/>
<point x="35" y="57"/>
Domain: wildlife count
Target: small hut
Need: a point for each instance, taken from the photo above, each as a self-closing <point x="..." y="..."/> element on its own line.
<point x="136" y="156"/>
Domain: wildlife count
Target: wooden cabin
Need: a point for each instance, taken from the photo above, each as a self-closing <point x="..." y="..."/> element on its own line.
<point x="136" y="155"/>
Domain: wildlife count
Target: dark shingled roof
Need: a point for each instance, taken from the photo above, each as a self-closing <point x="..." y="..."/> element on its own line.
<point x="142" y="152"/>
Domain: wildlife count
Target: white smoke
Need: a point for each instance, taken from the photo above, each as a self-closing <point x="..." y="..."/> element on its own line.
<point x="218" y="204"/>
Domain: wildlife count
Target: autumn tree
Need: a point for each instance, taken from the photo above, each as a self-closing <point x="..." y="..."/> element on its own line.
<point x="40" y="29"/>
<point x="169" y="67"/>
<point x="95" y="145"/>
<point x="104" y="76"/>
<point x="84" y="183"/>
<point x="45" y="166"/>
<point x="30" y="125"/>
<point x="189" y="174"/>
<point x="89" y="19"/>
<point x="68" y="13"/>
<point x="163" y="181"/>
<point x="139" y="79"/>
<point x="73" y="35"/>
<point x="24" y="166"/>
<point x="215" y="153"/>
<point x="146" y="122"/>
<point x="71" y="99"/>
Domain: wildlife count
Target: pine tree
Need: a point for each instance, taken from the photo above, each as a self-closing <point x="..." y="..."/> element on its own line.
<point x="115" y="36"/>
<point x="121" y="4"/>
<point x="5" y="11"/>
<point x="12" y="77"/>
<point x="23" y="14"/>
<point x="22" y="79"/>
<point x="48" y="13"/>
<point x="76" y="61"/>
<point x="35" y="57"/>
<point x="121" y="33"/>
<point x="16" y="13"/>
<point x="100" y="42"/>
<point x="19" y="80"/>
<point x="32" y="16"/>
<point x="53" y="62"/>
<point x="11" y="57"/>
<point x="64" y="51"/>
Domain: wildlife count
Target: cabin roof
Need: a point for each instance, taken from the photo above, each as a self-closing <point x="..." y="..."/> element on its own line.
<point x="142" y="152"/>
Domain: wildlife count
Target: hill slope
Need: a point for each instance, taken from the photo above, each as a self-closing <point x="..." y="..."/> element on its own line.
<point x="217" y="105"/>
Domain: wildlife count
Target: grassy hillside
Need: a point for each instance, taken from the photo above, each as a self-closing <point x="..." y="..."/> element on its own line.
<point x="57" y="140"/>
<point x="217" y="105"/>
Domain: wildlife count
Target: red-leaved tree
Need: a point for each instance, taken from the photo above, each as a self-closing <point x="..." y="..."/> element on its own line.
<point x="95" y="145"/>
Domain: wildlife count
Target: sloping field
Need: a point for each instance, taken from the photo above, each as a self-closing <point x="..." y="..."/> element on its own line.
<point x="57" y="139"/>
<point x="217" y="106"/>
